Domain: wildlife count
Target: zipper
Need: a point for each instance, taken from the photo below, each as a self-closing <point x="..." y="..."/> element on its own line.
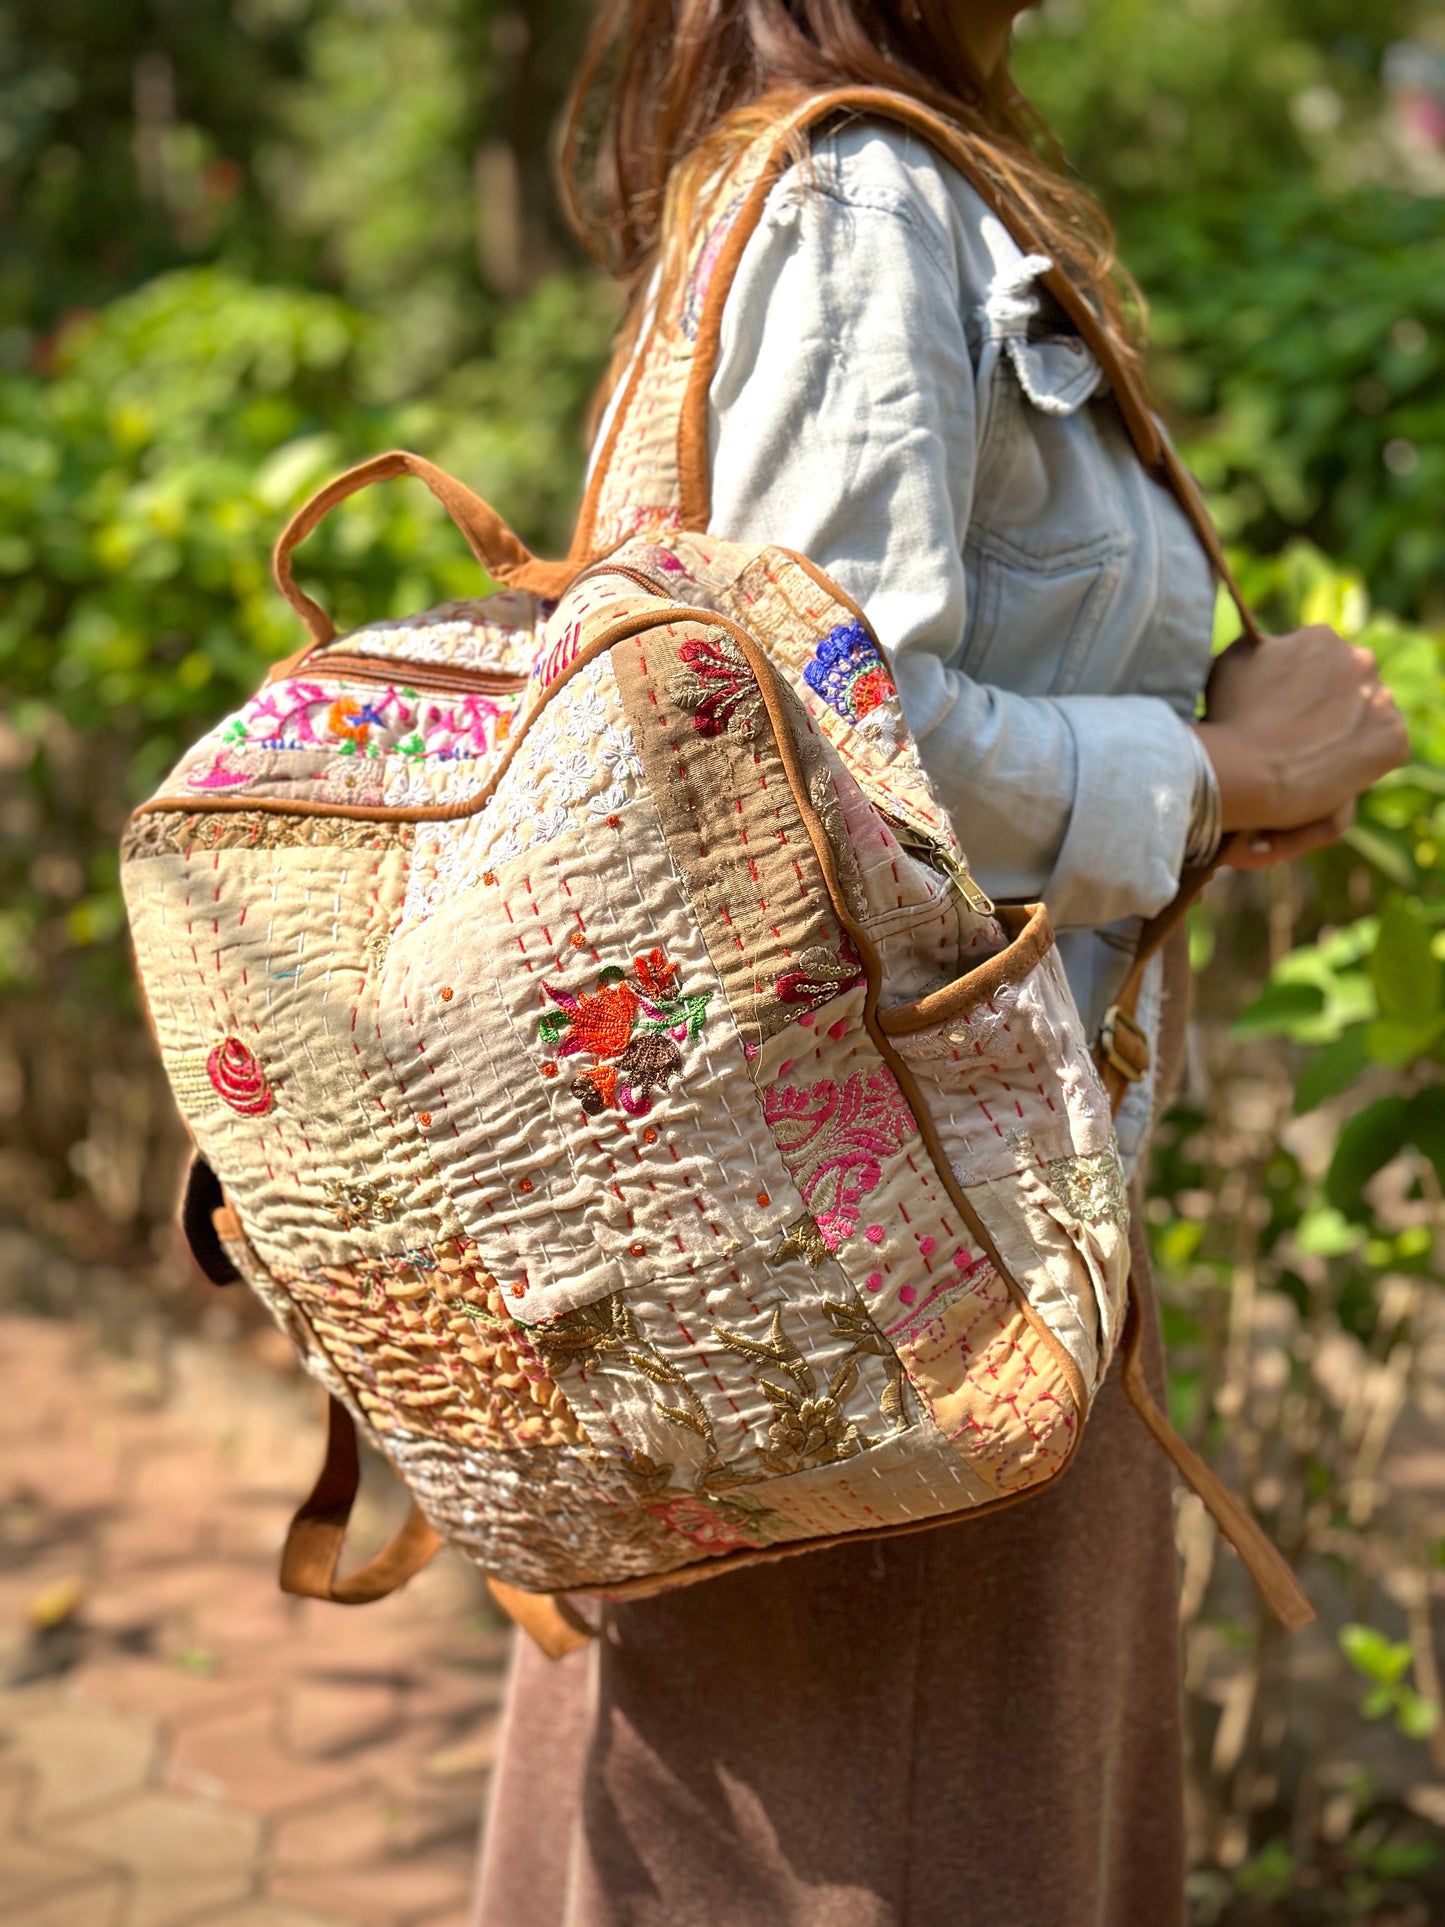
<point x="627" y="573"/>
<point x="420" y="675"/>
<point x="942" y="861"/>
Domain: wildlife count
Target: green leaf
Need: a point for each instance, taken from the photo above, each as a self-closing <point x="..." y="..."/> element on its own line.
<point x="1326" y="1233"/>
<point x="1374" y="1655"/>
<point x="1425" y="1125"/>
<point x="1277" y="1009"/>
<point x="1404" y="968"/>
<point x="1384" y="852"/>
<point x="1378" y="1702"/>
<point x="1415" y="1716"/>
<point x="1403" y="1859"/>
<point x="1331" y="1070"/>
<point x="1366" y="1144"/>
<point x="1397" y="1043"/>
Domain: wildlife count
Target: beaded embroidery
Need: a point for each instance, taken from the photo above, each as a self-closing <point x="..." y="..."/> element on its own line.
<point x="1093" y="1188"/>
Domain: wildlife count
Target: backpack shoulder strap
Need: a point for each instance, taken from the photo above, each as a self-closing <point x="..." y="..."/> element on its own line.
<point x="652" y="470"/>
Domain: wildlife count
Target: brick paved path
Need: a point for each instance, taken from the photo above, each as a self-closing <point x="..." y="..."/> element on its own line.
<point x="178" y="1741"/>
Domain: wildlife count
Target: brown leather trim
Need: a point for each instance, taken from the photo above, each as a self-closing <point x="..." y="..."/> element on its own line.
<point x="549" y="1619"/>
<point x="616" y="632"/>
<point x="501" y="553"/>
<point x="1032" y="937"/>
<point x="317" y="1533"/>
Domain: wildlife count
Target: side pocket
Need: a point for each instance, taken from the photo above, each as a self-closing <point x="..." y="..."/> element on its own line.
<point x="1000" y="1058"/>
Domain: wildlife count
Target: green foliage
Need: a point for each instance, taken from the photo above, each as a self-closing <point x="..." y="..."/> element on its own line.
<point x="1384" y="1663"/>
<point x="141" y="487"/>
<point x="1296" y="285"/>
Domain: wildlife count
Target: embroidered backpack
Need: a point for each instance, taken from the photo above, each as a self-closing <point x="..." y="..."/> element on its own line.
<point x="604" y="1067"/>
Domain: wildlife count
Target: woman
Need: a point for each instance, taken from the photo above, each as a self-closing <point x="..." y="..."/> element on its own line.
<point x="977" y="1725"/>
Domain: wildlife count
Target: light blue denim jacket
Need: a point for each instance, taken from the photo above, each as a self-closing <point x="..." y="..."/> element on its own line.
<point x="893" y="399"/>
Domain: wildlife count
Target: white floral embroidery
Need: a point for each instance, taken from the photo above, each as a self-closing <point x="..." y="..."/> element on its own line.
<point x="618" y="753"/>
<point x="572" y="776"/>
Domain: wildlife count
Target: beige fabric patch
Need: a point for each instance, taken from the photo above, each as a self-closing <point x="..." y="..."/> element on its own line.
<point x="262" y="955"/>
<point x="567" y="1206"/>
<point x="990" y="1382"/>
<point x="752" y="877"/>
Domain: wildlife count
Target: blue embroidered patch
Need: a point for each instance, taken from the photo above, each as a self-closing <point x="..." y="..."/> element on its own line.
<point x="849" y="672"/>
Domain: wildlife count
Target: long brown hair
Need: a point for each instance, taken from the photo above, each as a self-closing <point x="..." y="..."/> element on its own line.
<point x="670" y="90"/>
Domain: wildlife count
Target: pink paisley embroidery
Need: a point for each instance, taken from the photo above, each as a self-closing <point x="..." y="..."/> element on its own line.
<point x="709" y="1527"/>
<point x="238" y="1079"/>
<point x="834" y="1142"/>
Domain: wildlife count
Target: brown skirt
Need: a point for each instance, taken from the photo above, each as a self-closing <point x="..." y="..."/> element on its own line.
<point x="975" y="1726"/>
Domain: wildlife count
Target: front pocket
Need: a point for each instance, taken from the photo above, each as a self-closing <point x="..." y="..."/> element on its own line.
<point x="999" y="1061"/>
<point x="1000" y="1058"/>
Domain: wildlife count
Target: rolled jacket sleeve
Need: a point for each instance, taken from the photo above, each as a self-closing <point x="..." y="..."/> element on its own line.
<point x="843" y="424"/>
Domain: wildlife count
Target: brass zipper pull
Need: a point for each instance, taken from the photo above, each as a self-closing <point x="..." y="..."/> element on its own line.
<point x="981" y="905"/>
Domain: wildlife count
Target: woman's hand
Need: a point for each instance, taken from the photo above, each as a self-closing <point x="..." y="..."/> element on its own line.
<point x="1296" y="729"/>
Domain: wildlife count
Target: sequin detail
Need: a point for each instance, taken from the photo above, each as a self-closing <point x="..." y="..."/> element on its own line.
<point x="1093" y="1188"/>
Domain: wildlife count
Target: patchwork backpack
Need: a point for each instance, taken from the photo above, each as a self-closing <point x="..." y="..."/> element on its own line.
<point x="604" y="1066"/>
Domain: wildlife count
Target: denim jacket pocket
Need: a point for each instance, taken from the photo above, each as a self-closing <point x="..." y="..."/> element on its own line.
<point x="1034" y="620"/>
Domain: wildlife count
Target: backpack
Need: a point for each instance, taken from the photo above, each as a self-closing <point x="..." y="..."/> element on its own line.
<point x="604" y="1066"/>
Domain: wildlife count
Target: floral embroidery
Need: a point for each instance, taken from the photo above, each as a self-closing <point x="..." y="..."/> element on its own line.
<point x="802" y="1239"/>
<point x="849" y="672"/>
<point x="716" y="687"/>
<point x="819" y="975"/>
<point x="632" y="1026"/>
<point x="237" y="1078"/>
<point x="302" y="715"/>
<point x="718" y="1525"/>
<point x="834" y="1141"/>
<point x="809" y="1426"/>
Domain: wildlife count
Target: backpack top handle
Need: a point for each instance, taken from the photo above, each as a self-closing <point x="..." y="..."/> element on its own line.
<point x="500" y="551"/>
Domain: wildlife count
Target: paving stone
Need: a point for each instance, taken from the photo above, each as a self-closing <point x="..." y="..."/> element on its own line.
<point x="80" y="1757"/>
<point x="383" y="1892"/>
<point x="28" y="1867"/>
<point x="329" y="1718"/>
<point x="266" y="1913"/>
<point x="238" y="1758"/>
<point x="166" y="1689"/>
<point x="61" y="1476"/>
<point x="353" y="1832"/>
<point x="181" y="1855"/>
<point x="92" y="1903"/>
<point x="308" y="1766"/>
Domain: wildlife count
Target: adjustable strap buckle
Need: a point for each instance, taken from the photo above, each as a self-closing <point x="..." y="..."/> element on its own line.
<point x="1124" y="1045"/>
